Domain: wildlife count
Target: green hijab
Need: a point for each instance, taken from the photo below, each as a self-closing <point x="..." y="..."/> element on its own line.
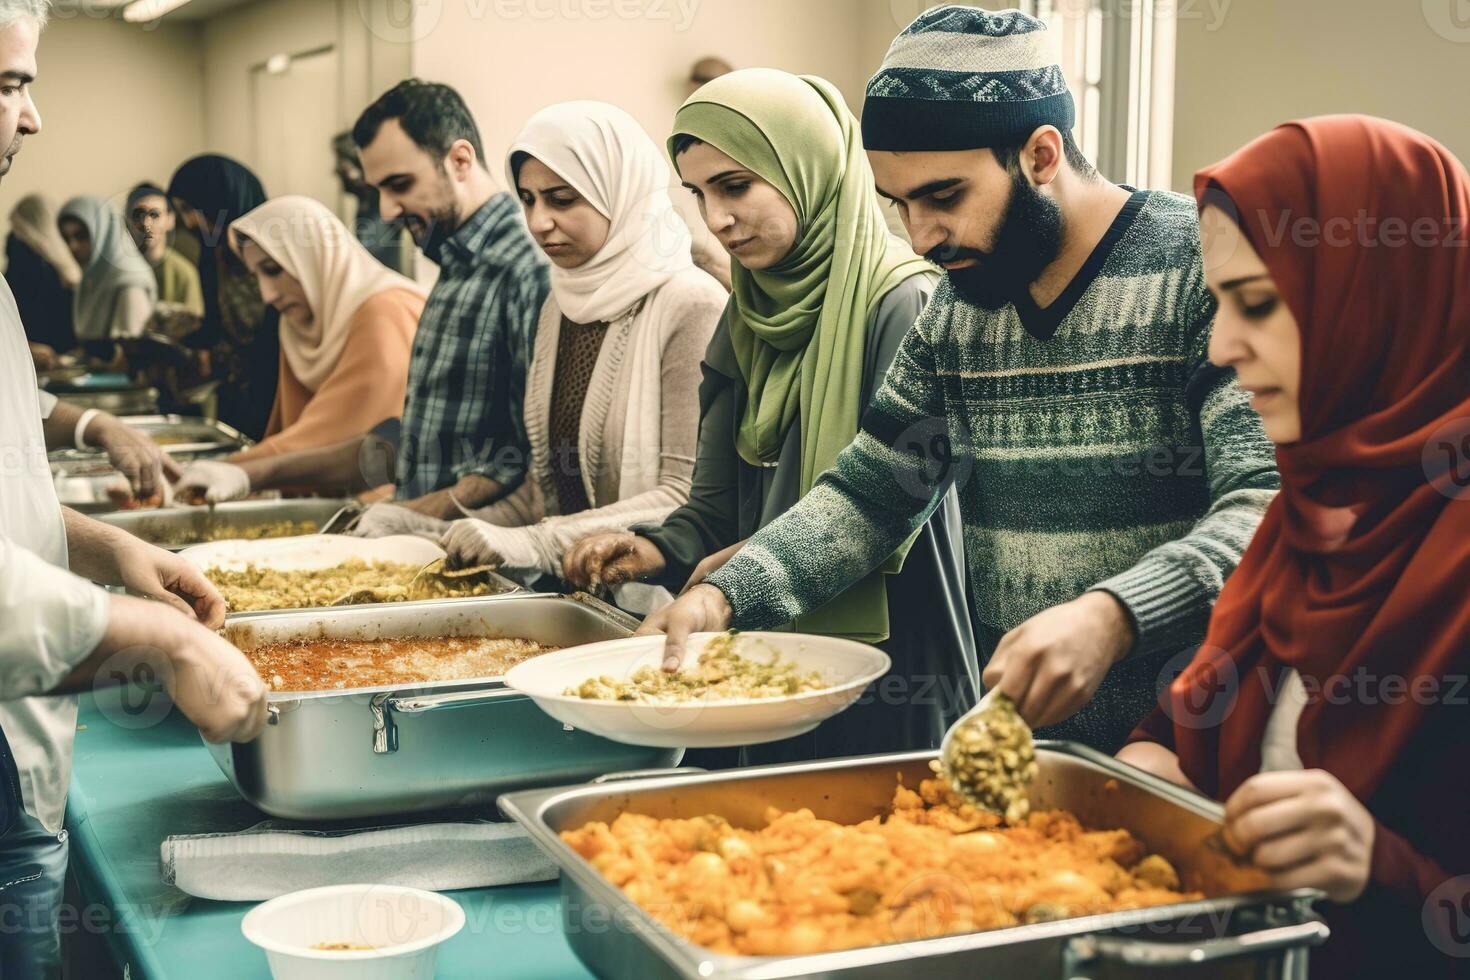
<point x="799" y="329"/>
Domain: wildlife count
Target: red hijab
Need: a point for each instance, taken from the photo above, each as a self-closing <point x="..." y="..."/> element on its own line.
<point x="1361" y="566"/>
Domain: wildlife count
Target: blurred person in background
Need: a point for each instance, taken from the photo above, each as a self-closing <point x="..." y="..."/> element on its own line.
<point x="382" y="239"/>
<point x="706" y="70"/>
<point x="118" y="292"/>
<point x="238" y="339"/>
<point x="347" y="326"/>
<point x="42" y="274"/>
<point x="151" y="222"/>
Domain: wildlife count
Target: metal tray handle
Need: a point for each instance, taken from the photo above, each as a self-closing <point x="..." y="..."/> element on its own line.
<point x="607" y="610"/>
<point x="385" y="731"/>
<point x="1138" y="953"/>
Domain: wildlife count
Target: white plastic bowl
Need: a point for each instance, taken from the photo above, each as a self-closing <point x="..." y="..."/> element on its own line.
<point x="403" y="925"/>
<point x="848" y="666"/>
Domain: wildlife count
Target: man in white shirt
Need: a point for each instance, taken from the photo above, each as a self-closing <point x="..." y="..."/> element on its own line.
<point x="58" y="632"/>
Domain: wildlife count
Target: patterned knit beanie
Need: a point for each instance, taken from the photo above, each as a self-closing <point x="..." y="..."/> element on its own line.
<point x="959" y="78"/>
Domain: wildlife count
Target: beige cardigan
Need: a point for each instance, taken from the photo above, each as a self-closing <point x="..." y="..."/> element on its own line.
<point x="680" y="317"/>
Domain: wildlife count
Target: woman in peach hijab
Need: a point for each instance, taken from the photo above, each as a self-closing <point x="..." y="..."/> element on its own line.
<point x="347" y="324"/>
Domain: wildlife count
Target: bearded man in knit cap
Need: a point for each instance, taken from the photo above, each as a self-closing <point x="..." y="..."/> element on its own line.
<point x="1109" y="475"/>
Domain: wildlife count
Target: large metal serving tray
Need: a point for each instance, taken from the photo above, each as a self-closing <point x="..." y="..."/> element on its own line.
<point x="1245" y="933"/>
<point x="187" y="438"/>
<point x="126" y="401"/>
<point x="180" y="527"/>
<point x="342" y="754"/>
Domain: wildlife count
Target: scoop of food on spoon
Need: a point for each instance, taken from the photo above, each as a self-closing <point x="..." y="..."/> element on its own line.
<point x="989" y="759"/>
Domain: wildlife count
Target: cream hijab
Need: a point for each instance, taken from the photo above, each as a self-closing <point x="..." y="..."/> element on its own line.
<point x="604" y="154"/>
<point x="337" y="274"/>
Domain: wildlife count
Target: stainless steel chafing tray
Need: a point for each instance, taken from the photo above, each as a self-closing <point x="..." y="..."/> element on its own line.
<point x="1244" y="933"/>
<point x="340" y="754"/>
<point x="188" y="437"/>
<point x="179" y="527"/>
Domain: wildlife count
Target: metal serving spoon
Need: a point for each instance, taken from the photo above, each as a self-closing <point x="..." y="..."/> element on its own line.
<point x="417" y="587"/>
<point x="989" y="758"/>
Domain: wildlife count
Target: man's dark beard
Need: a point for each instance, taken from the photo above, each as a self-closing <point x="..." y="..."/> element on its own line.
<point x="1029" y="239"/>
<point x="431" y="235"/>
<point x="442" y="222"/>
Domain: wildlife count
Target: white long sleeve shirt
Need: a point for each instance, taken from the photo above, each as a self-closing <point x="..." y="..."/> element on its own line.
<point x="50" y="619"/>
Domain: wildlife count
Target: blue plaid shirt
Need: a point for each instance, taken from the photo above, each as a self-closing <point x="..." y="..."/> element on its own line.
<point x="467" y="376"/>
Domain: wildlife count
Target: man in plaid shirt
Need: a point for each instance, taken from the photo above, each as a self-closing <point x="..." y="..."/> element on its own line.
<point x="462" y="437"/>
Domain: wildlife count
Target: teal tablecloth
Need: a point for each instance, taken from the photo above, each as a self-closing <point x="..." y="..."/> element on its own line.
<point x="132" y="787"/>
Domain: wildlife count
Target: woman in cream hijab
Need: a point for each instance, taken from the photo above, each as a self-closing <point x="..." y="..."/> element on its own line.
<point x="612" y="406"/>
<point x="347" y="324"/>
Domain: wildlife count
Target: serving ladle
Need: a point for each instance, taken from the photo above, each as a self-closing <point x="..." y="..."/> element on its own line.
<point x="417" y="587"/>
<point x="989" y="758"/>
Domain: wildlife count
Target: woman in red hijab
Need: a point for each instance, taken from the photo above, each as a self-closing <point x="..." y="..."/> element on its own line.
<point x="1329" y="707"/>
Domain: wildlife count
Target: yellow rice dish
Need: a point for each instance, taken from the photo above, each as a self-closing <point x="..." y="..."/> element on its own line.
<point x="934" y="866"/>
<point x="255" y="588"/>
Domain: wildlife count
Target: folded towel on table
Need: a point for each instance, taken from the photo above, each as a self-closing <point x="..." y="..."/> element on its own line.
<point x="269" y="859"/>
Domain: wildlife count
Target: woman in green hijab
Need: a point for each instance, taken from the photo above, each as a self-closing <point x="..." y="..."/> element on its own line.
<point x="822" y="296"/>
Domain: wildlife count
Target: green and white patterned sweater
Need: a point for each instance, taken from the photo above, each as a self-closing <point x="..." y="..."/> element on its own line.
<point x="1109" y="455"/>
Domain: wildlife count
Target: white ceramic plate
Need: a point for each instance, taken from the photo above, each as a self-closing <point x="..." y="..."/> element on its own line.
<point x="848" y="666"/>
<point x="309" y="551"/>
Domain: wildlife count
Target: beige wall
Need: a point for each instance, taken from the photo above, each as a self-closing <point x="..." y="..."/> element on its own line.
<point x="508" y="63"/>
<point x="118" y="105"/>
<point x="1262" y="62"/>
<point x="240" y="40"/>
